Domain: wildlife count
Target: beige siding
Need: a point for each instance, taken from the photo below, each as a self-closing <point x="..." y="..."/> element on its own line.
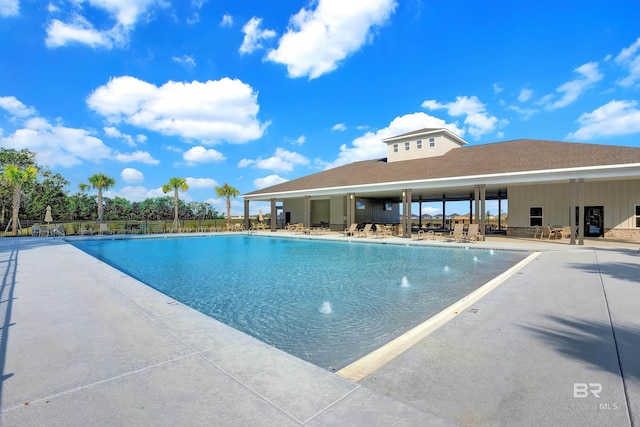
<point x="296" y="208"/>
<point x="442" y="145"/>
<point x="338" y="211"/>
<point x="320" y="211"/>
<point x="617" y="197"/>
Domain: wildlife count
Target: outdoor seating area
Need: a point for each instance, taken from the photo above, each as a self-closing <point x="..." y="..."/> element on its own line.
<point x="547" y="232"/>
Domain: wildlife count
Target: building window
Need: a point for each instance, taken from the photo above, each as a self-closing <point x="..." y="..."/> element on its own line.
<point x="395" y="148"/>
<point x="535" y="216"/>
<point x="419" y="144"/>
<point x="637" y="215"/>
<point x="407" y="146"/>
<point x="432" y="142"/>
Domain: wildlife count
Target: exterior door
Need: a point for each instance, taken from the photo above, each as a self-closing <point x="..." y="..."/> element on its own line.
<point x="594" y="221"/>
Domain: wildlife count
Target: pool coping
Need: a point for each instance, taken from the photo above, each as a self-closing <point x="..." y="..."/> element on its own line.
<point x="375" y="360"/>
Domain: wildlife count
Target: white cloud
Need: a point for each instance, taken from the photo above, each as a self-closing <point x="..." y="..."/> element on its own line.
<point x="268" y="181"/>
<point x="612" y="119"/>
<point x="339" y="127"/>
<point x="370" y="145"/>
<point x="79" y="29"/>
<point x="525" y="113"/>
<point x="227" y="21"/>
<point x="282" y="161"/>
<point x="16" y="108"/>
<point x="629" y="58"/>
<point x="186" y="60"/>
<point x="208" y="183"/>
<point x="213" y="111"/>
<point x="137" y="156"/>
<point x="571" y="90"/>
<point x="197" y="5"/>
<point x="113" y="132"/>
<point x="131" y="175"/>
<point x="199" y="154"/>
<point x="497" y="88"/>
<point x="56" y="144"/>
<point x="9" y="7"/>
<point x="430" y="210"/>
<point x="525" y="95"/>
<point x="477" y="120"/>
<point x="253" y="35"/>
<point x="317" y="40"/>
<point x="300" y="140"/>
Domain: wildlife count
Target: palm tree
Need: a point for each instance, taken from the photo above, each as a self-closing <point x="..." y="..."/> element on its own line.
<point x="17" y="177"/>
<point x="100" y="182"/>
<point x="227" y="191"/>
<point x="175" y="184"/>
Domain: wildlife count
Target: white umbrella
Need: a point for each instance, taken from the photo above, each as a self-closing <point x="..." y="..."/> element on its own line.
<point x="47" y="216"/>
<point x="260" y="217"/>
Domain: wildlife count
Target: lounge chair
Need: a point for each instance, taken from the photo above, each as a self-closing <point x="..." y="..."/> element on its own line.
<point x="104" y="229"/>
<point x="457" y="233"/>
<point x="382" y="231"/>
<point x="473" y="233"/>
<point x="365" y="231"/>
<point x="351" y="231"/>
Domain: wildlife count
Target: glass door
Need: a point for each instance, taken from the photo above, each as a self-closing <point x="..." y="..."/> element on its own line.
<point x="594" y="221"/>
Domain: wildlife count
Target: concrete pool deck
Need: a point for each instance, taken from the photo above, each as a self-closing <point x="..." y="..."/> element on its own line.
<point x="84" y="344"/>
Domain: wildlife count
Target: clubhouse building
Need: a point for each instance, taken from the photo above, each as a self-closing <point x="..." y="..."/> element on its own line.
<point x="594" y="188"/>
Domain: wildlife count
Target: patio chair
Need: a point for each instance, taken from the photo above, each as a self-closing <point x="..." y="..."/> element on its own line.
<point x="537" y="232"/>
<point x="86" y="230"/>
<point x="365" y="231"/>
<point x="104" y="228"/>
<point x="457" y="232"/>
<point x="35" y="230"/>
<point x="473" y="233"/>
<point x="548" y="233"/>
<point x="351" y="231"/>
<point x="382" y="231"/>
<point x="566" y="232"/>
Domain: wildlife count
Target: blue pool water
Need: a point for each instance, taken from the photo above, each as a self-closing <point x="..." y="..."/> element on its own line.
<point x="323" y="301"/>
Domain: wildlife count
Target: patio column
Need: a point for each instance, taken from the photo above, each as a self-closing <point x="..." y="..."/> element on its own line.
<point x="307" y="212"/>
<point x="470" y="208"/>
<point x="350" y="200"/>
<point x="444" y="212"/>
<point x="476" y="191"/>
<point x="572" y="211"/>
<point x="499" y="210"/>
<point x="406" y="213"/>
<point x="483" y="209"/>
<point x="246" y="214"/>
<point x="581" y="211"/>
<point x="274" y="215"/>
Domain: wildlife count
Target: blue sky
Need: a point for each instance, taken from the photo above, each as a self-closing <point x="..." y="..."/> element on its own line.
<point x="255" y="93"/>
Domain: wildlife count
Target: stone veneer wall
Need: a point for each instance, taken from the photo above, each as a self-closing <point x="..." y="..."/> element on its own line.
<point x="631" y="234"/>
<point x="622" y="233"/>
<point x="520" y="231"/>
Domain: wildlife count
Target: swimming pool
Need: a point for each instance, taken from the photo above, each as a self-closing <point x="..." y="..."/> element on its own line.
<point x="328" y="302"/>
